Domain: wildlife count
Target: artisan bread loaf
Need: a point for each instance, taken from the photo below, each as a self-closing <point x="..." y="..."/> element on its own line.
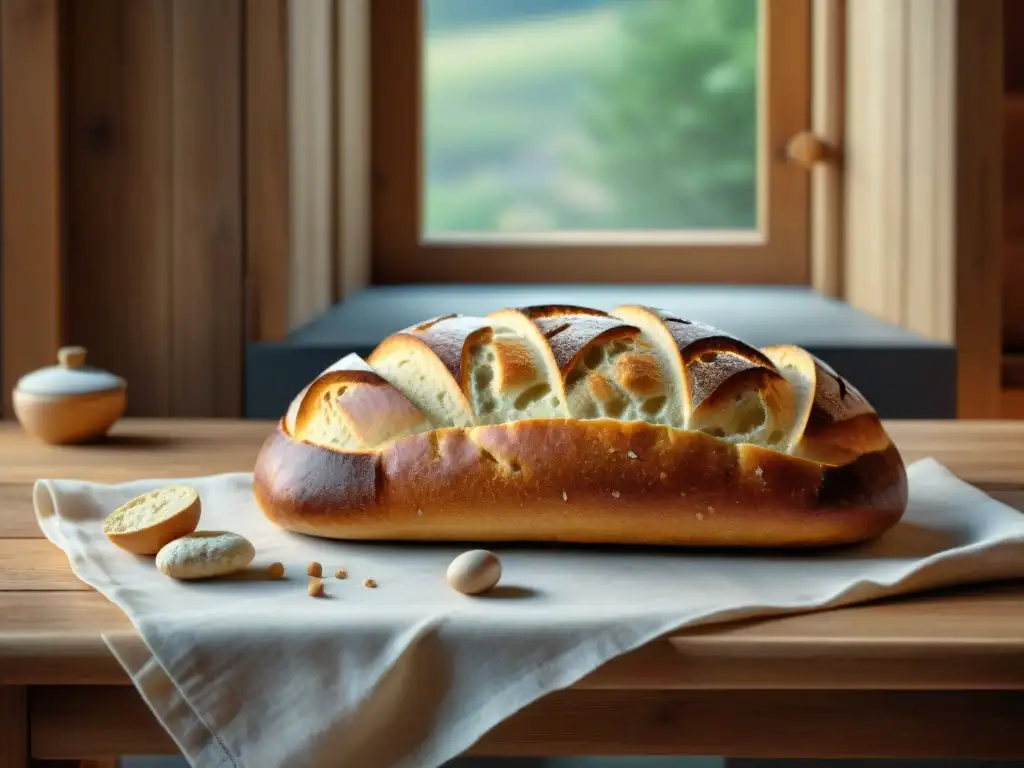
<point x="562" y="423"/>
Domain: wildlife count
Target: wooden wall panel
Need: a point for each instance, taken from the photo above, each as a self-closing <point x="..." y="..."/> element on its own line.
<point x="311" y="110"/>
<point x="979" y="206"/>
<point x="267" y="219"/>
<point x="1013" y="225"/>
<point x="1013" y="26"/>
<point x="1013" y="178"/>
<point x="923" y="181"/>
<point x="207" y="273"/>
<point x="32" y="320"/>
<point x="119" y="192"/>
<point x="156" y="197"/>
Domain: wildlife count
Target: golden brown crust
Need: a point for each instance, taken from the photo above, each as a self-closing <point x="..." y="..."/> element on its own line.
<point x="598" y="481"/>
<point x="570" y="330"/>
<point x="683" y="435"/>
<point x="837" y="424"/>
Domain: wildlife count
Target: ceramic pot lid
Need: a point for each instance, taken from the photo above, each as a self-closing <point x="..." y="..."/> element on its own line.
<point x="70" y="377"/>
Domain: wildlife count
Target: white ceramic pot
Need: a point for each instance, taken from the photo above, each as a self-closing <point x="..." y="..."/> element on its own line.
<point x="70" y="402"/>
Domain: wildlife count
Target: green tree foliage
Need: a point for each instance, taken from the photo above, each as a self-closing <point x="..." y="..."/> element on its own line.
<point x="673" y="120"/>
<point x="448" y="15"/>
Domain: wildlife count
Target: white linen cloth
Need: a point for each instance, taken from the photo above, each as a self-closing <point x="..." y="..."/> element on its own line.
<point x="251" y="672"/>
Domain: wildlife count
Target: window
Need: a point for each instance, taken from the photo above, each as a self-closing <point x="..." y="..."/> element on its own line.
<point x="589" y="140"/>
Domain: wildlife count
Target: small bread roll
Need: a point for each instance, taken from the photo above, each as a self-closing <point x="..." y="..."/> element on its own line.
<point x="474" y="572"/>
<point x="148" y="522"/>
<point x="204" y="554"/>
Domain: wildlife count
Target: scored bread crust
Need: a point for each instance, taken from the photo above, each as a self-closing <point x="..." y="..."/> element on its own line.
<point x="824" y="473"/>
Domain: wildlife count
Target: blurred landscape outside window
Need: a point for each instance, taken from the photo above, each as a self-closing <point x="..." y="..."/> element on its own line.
<point x="582" y="115"/>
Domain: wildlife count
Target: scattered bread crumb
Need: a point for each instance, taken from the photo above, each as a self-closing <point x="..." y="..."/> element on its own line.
<point x="276" y="570"/>
<point x="565" y="496"/>
<point x="663" y="475"/>
<point x="631" y="454"/>
<point x="700" y="515"/>
<point x="370" y="584"/>
<point x="315" y="569"/>
<point x="759" y="472"/>
<point x="419" y="512"/>
<point x="616" y="494"/>
<point x="711" y="510"/>
<point x="341" y="573"/>
<point x="316" y="587"/>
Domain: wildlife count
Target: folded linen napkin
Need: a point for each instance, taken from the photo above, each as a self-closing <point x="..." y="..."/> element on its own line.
<point x="251" y="672"/>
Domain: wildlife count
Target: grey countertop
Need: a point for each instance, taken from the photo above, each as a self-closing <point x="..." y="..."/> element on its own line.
<point x="904" y="375"/>
<point x="760" y="315"/>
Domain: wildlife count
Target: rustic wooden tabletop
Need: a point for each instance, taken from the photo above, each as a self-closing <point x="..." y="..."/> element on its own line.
<point x="940" y="674"/>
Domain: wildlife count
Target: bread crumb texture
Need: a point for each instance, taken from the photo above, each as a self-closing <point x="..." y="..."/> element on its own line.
<point x="146" y="523"/>
<point x="150" y="509"/>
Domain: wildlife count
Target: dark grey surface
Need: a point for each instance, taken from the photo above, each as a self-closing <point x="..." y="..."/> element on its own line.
<point x="903" y="375"/>
<point x="504" y="762"/>
<point x="757" y="314"/>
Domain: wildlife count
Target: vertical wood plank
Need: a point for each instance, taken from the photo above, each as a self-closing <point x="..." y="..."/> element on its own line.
<point x="311" y="111"/>
<point x="267" y="232"/>
<point x="923" y="178"/>
<point x="978" y="206"/>
<point x="1013" y="223"/>
<point x="119" y="202"/>
<point x="31" y="253"/>
<point x="207" y="148"/>
<point x="13" y="727"/>
<point x="828" y="38"/>
<point x="875" y="176"/>
<point x="353" y="146"/>
<point x="929" y="290"/>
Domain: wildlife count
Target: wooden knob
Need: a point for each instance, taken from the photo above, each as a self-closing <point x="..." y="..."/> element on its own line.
<point x="807" y="150"/>
<point x="71" y="357"/>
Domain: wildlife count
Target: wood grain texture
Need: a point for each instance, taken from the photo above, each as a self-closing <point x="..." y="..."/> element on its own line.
<point x="311" y="113"/>
<point x="353" y="146"/>
<point x="978" y="206"/>
<point x="207" y="276"/>
<point x="1013" y="22"/>
<point x="32" y="318"/>
<point x="267" y="212"/>
<point x="119" y="192"/>
<point x="923" y="239"/>
<point x="155" y="199"/>
<point x="1013" y="222"/>
<point x="1012" y="403"/>
<point x="35" y="565"/>
<point x="828" y="89"/>
<point x="14" y="733"/>
<point x="137" y="448"/>
<point x="80" y="722"/>
<point x="17" y="518"/>
<point x="778" y="253"/>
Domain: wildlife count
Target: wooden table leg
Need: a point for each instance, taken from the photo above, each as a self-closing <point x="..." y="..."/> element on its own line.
<point x="13" y="726"/>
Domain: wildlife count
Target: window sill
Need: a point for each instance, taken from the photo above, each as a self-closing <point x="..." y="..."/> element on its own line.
<point x="904" y="375"/>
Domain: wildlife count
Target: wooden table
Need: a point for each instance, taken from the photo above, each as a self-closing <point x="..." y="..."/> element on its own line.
<point x="938" y="675"/>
